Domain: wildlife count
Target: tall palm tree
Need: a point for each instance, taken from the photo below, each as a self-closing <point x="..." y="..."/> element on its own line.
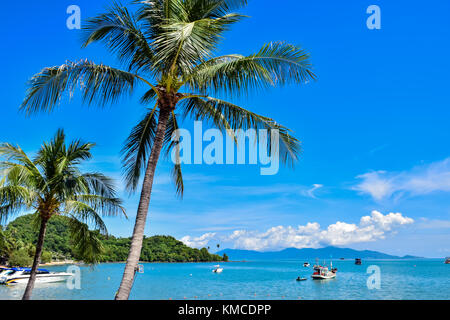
<point x="169" y="47"/>
<point x="50" y="184"/>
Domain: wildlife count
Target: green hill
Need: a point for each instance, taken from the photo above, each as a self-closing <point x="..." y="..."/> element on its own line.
<point x="155" y="249"/>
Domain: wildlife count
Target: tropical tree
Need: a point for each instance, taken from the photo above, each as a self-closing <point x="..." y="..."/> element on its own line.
<point x="52" y="184"/>
<point x="169" y="47"/>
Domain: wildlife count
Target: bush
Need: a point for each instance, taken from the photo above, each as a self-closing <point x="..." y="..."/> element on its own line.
<point x="46" y="257"/>
<point x="20" y="258"/>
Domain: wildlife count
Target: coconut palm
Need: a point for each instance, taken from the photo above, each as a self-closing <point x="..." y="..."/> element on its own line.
<point x="169" y="47"/>
<point x="50" y="184"/>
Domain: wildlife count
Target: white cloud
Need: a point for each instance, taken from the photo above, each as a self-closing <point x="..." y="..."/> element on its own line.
<point x="370" y="228"/>
<point x="420" y="180"/>
<point x="199" y="242"/>
<point x="310" y="192"/>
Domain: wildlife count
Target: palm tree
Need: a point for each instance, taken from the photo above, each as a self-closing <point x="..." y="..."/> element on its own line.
<point x="50" y="184"/>
<point x="168" y="46"/>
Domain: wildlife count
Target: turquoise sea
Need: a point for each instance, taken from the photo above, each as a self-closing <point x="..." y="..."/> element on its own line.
<point x="400" y="279"/>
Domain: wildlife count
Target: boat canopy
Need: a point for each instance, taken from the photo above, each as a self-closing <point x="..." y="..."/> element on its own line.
<point x="29" y="270"/>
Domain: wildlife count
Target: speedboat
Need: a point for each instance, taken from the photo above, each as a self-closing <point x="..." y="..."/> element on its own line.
<point x="22" y="275"/>
<point x="217" y="269"/>
<point x="358" y="261"/>
<point x="323" y="273"/>
<point x="301" y="279"/>
<point x="447" y="260"/>
<point x="306" y="264"/>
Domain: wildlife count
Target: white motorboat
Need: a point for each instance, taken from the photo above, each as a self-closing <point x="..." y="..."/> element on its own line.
<point x="217" y="269"/>
<point x="306" y="264"/>
<point x="21" y="276"/>
<point x="323" y="273"/>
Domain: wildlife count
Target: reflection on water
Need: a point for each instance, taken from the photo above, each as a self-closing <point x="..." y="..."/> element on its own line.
<point x="400" y="279"/>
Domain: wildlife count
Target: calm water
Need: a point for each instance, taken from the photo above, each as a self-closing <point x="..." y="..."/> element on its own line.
<point x="411" y="279"/>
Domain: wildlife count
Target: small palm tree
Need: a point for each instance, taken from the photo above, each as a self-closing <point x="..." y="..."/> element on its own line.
<point x="168" y="46"/>
<point x="52" y="184"/>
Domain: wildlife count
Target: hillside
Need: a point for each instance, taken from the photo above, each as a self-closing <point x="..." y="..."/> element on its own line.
<point x="155" y="249"/>
<point x="307" y="253"/>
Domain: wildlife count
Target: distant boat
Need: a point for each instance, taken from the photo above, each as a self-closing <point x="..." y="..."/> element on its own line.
<point x="358" y="261"/>
<point x="447" y="260"/>
<point x="341" y="258"/>
<point x="22" y="275"/>
<point x="301" y="279"/>
<point x="323" y="273"/>
<point x="217" y="269"/>
<point x="306" y="264"/>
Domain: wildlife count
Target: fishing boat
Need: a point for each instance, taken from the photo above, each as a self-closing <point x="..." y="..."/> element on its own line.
<point x="306" y="264"/>
<point x="323" y="272"/>
<point x="358" y="261"/>
<point x="217" y="269"/>
<point x="22" y="275"/>
<point x="447" y="260"/>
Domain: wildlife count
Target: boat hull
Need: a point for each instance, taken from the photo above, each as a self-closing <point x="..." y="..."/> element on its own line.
<point x="47" y="278"/>
<point x="323" y="277"/>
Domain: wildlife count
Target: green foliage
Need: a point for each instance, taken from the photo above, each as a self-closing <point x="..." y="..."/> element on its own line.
<point x="156" y="249"/>
<point x="57" y="238"/>
<point x="46" y="257"/>
<point x="20" y="258"/>
<point x="59" y="244"/>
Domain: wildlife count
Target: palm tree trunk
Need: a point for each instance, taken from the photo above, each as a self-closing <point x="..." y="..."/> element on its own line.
<point x="37" y="260"/>
<point x="138" y="234"/>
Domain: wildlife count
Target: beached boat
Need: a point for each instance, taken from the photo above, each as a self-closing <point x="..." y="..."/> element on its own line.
<point x="21" y="276"/>
<point x="323" y="273"/>
<point x="217" y="269"/>
<point x="447" y="260"/>
<point x="358" y="261"/>
<point x="306" y="264"/>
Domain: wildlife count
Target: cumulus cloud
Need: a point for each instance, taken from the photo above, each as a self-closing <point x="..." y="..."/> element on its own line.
<point x="370" y="228"/>
<point x="420" y="180"/>
<point x="199" y="242"/>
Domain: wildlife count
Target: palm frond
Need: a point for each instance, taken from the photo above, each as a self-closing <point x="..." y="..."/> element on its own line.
<point x="171" y="143"/>
<point x="86" y="243"/>
<point x="100" y="185"/>
<point x="181" y="45"/>
<point x="13" y="199"/>
<point x="119" y="30"/>
<point x="228" y="116"/>
<point x="97" y="82"/>
<point x="83" y="212"/>
<point x="276" y="63"/>
<point x="177" y="177"/>
<point x="15" y="153"/>
<point x="137" y="148"/>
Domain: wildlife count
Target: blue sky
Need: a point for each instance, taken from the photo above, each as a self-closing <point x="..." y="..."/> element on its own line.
<point x="374" y="128"/>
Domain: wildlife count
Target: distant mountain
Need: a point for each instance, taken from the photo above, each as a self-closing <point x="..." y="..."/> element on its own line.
<point x="307" y="253"/>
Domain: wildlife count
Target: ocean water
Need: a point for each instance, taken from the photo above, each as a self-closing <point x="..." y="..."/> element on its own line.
<point x="274" y="280"/>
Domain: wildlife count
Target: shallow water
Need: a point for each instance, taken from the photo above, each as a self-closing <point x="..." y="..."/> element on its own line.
<point x="400" y="279"/>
